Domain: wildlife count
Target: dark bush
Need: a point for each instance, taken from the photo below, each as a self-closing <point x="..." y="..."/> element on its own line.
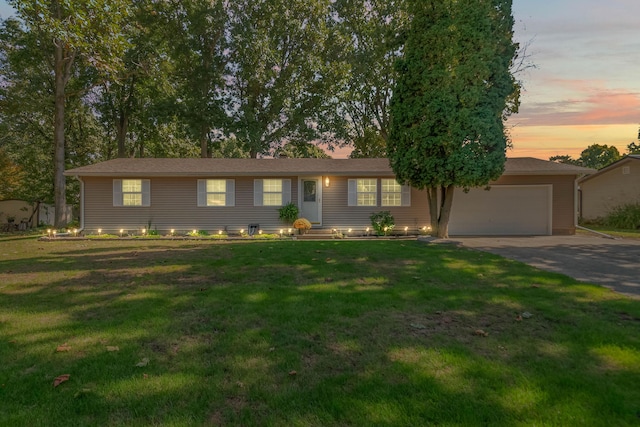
<point x="625" y="217"/>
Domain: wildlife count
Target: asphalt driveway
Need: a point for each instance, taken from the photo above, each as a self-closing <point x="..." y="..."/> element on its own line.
<point x="614" y="263"/>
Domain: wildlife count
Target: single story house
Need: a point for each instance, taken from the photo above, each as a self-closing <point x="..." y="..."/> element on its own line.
<point x="614" y="185"/>
<point x="532" y="197"/>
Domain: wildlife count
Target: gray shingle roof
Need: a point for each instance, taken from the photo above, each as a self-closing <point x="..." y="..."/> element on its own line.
<point x="149" y="167"/>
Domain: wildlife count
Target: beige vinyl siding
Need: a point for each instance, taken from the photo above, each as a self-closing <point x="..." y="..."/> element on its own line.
<point x="563" y="202"/>
<point x="612" y="188"/>
<point x="174" y="206"/>
<point x="337" y="214"/>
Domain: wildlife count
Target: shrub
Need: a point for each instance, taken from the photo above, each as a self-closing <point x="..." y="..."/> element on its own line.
<point x="625" y="216"/>
<point x="288" y="213"/>
<point x="382" y="222"/>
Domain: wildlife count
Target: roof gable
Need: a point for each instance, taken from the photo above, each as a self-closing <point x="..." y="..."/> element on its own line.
<point x="626" y="160"/>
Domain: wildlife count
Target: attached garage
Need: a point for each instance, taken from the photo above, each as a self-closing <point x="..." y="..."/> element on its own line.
<point x="503" y="210"/>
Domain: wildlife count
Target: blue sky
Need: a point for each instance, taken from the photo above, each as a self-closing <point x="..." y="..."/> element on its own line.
<point x="585" y="87"/>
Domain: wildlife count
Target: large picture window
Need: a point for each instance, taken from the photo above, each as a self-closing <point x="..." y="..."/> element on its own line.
<point x="216" y="192"/>
<point x="131" y="192"/>
<point x="271" y="192"/>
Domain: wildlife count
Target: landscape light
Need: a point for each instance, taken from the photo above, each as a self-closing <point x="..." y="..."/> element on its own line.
<point x="121" y="231"/>
<point x="99" y="231"/>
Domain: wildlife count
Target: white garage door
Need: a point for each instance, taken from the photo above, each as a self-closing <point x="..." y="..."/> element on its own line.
<point x="523" y="210"/>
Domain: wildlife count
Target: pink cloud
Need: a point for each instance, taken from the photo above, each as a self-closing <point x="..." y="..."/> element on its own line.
<point x="585" y="103"/>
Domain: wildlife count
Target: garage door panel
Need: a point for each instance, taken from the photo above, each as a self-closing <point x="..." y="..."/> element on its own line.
<point x="503" y="210"/>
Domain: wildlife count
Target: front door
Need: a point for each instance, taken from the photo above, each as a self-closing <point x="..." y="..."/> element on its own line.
<point x="311" y="200"/>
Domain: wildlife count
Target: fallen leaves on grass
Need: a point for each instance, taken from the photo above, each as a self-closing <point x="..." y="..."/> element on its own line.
<point x="144" y="362"/>
<point x="60" y="379"/>
<point x="63" y="347"/>
<point x="480" y="333"/>
<point x="293" y="373"/>
<point x="113" y="348"/>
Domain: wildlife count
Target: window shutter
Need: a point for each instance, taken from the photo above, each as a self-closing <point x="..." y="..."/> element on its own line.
<point x="286" y="191"/>
<point x="231" y="192"/>
<point x="202" y="193"/>
<point x="146" y="192"/>
<point x="117" y="192"/>
<point x="257" y="192"/>
<point x="406" y="195"/>
<point x="353" y="195"/>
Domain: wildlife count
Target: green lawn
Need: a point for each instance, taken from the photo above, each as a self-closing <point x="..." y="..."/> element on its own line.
<point x="286" y="333"/>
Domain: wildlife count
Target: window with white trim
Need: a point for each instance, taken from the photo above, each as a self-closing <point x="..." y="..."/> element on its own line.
<point x="363" y="192"/>
<point x="216" y="192"/>
<point x="131" y="192"/>
<point x="394" y="194"/>
<point x="391" y="192"/>
<point x="271" y="192"/>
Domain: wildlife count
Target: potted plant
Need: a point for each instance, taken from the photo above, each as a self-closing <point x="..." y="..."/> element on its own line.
<point x="288" y="213"/>
<point x="302" y="225"/>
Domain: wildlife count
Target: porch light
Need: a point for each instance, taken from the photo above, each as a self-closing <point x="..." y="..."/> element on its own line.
<point x="326" y="181"/>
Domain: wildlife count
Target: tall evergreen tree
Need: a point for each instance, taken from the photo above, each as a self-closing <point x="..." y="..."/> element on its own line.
<point x="453" y="93"/>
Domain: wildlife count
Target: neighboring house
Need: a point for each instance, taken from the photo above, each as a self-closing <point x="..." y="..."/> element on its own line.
<point x="533" y="197"/>
<point x="615" y="185"/>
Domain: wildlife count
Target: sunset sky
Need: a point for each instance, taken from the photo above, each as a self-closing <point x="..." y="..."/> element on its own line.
<point x="585" y="85"/>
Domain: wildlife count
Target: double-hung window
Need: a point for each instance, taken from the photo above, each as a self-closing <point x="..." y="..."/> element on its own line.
<point x="271" y="192"/>
<point x="363" y="192"/>
<point x="131" y="192"/>
<point x="216" y="192"/>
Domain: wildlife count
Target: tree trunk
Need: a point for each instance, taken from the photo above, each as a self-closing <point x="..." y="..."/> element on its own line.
<point x="432" y="196"/>
<point x="204" y="142"/>
<point x="122" y="126"/>
<point x="440" y="210"/>
<point x="59" y="183"/>
<point x="445" y="211"/>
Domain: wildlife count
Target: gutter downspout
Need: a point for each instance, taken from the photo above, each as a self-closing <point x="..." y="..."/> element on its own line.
<point x="81" y="204"/>
<point x="575" y="214"/>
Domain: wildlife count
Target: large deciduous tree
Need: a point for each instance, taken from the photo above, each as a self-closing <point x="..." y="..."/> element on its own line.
<point x="72" y="31"/>
<point x="277" y="85"/>
<point x="597" y="156"/>
<point x="453" y="93"/>
<point x="368" y="32"/>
